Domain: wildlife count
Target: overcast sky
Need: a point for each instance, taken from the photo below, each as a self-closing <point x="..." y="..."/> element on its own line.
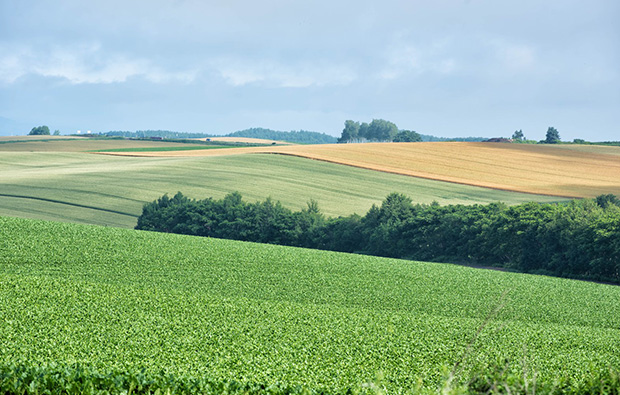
<point x="442" y="67"/>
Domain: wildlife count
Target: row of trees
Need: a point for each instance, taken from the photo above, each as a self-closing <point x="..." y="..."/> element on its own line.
<point x="377" y="130"/>
<point x="382" y="130"/>
<point x="552" y="136"/>
<point x="580" y="239"/>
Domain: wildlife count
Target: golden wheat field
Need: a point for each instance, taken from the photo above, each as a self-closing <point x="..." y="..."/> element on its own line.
<point x="539" y="169"/>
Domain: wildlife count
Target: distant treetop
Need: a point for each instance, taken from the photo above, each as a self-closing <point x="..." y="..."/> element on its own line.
<point x="553" y="136"/>
<point x="39" y="130"/>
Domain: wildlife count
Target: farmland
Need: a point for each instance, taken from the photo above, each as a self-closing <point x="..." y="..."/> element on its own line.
<point x="57" y="180"/>
<point x="583" y="171"/>
<point x="119" y="299"/>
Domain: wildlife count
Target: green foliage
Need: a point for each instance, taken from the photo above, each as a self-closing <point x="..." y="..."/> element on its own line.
<point x="518" y="136"/>
<point x="407" y="136"/>
<point x="377" y="130"/>
<point x="231" y="218"/>
<point x="39" y="130"/>
<point x="299" y="137"/>
<point x="77" y="379"/>
<point x="552" y="136"/>
<point x="154" y="308"/>
<point x="350" y="132"/>
<point x="579" y="240"/>
<point x="381" y="130"/>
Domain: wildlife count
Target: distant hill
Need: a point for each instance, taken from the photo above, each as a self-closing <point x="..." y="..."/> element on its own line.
<point x="9" y="127"/>
<point x="300" y="137"/>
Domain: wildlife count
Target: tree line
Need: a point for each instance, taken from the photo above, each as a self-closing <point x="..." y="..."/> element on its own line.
<point x="579" y="239"/>
<point x="300" y="136"/>
<point x="377" y="130"/>
<point x="551" y="137"/>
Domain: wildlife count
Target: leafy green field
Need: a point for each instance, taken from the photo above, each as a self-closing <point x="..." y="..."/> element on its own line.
<point x="111" y="190"/>
<point x="112" y="298"/>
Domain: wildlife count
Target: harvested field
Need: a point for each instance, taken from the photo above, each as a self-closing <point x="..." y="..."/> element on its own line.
<point x="538" y="169"/>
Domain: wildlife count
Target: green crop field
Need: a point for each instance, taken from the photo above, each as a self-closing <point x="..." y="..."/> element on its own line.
<point x="111" y="190"/>
<point x="124" y="300"/>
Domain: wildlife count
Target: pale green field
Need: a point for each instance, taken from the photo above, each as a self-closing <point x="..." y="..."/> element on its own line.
<point x="111" y="190"/>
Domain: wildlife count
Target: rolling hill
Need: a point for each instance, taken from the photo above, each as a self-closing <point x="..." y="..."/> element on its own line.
<point x="129" y="301"/>
<point x="57" y="179"/>
<point x="585" y="171"/>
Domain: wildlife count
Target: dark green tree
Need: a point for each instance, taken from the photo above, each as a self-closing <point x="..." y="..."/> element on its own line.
<point x="350" y="132"/>
<point x="382" y="130"/>
<point x="407" y="136"/>
<point x="553" y="136"/>
<point x="364" y="131"/>
<point x="518" y="135"/>
<point x="39" y="130"/>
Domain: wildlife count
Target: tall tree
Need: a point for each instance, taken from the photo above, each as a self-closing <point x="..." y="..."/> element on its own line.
<point x="382" y="130"/>
<point x="518" y="135"/>
<point x="350" y="131"/>
<point x="364" y="131"/>
<point x="553" y="136"/>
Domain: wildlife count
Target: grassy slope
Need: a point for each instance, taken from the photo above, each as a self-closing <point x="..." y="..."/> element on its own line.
<point x="114" y="298"/>
<point x="110" y="190"/>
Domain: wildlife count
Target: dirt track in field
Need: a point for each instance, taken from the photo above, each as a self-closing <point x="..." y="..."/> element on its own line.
<point x="539" y="169"/>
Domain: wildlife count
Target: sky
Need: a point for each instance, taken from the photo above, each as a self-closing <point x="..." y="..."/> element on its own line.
<point x="448" y="68"/>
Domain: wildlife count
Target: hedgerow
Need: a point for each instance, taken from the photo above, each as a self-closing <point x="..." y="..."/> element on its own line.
<point x="580" y="239"/>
